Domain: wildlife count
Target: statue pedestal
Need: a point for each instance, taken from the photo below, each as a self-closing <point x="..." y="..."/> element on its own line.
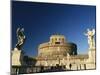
<point x="92" y="55"/>
<point x="17" y="57"/>
<point x="92" y="59"/>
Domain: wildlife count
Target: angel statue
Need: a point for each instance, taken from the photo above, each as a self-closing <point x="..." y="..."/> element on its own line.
<point x="90" y="34"/>
<point x="20" y="37"/>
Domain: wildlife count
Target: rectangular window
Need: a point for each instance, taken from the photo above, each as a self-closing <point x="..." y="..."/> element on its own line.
<point x="57" y="42"/>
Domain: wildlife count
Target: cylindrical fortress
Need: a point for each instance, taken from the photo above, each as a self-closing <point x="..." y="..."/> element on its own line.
<point x="57" y="46"/>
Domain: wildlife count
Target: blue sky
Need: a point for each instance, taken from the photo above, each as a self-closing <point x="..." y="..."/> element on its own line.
<point x="41" y="20"/>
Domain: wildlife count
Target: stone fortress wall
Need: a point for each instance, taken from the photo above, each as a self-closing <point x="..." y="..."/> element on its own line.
<point x="59" y="51"/>
<point x="57" y="46"/>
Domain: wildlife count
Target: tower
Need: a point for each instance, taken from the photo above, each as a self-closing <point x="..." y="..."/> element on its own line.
<point x="57" y="39"/>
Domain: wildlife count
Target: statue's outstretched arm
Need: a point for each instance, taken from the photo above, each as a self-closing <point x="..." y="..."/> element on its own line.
<point x="85" y="34"/>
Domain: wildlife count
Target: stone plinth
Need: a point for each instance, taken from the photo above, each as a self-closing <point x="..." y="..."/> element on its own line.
<point x="16" y="57"/>
<point x="92" y="55"/>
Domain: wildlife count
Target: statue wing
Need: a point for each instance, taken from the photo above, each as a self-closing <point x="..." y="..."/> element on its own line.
<point x="22" y="33"/>
<point x="18" y="29"/>
<point x="93" y="31"/>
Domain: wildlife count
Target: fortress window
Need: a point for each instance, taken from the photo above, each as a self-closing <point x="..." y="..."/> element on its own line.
<point x="57" y="42"/>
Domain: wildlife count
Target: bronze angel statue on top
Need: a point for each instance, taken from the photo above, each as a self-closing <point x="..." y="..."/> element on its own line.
<point x="20" y="37"/>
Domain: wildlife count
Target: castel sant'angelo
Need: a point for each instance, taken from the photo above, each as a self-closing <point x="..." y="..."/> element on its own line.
<point x="57" y="52"/>
<point x="57" y="46"/>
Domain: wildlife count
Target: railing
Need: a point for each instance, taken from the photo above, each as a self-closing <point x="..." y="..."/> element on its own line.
<point x="36" y="69"/>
